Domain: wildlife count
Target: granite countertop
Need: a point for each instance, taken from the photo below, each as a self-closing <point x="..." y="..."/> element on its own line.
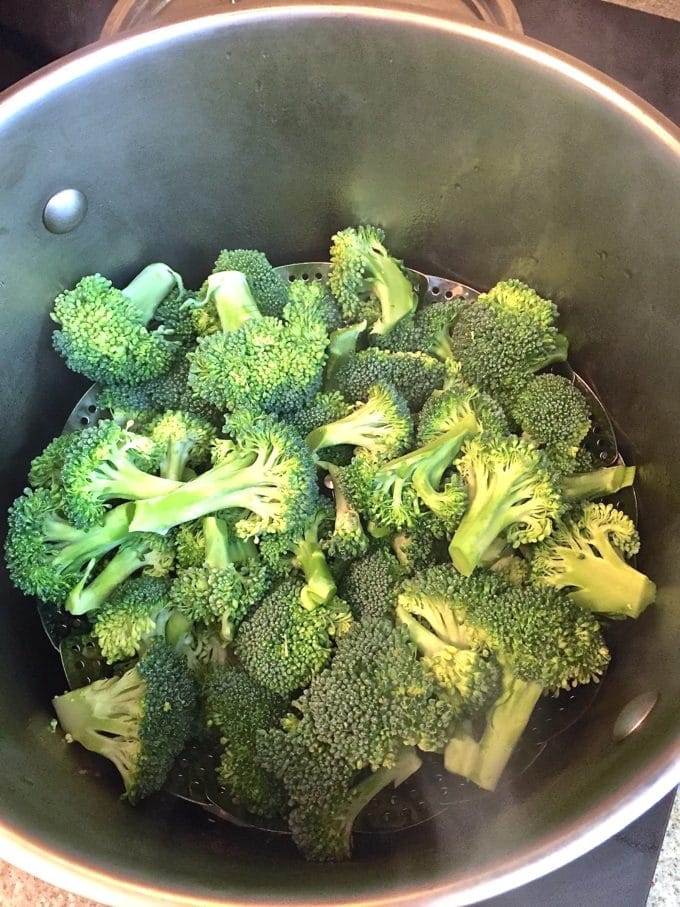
<point x="19" y="889"/>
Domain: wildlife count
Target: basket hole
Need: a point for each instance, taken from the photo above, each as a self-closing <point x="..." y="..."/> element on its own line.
<point x="435" y="290"/>
<point x="318" y="275"/>
<point x="92" y="408"/>
<point x="292" y="278"/>
<point x="84" y="420"/>
<point x="448" y="294"/>
<point x="305" y="276"/>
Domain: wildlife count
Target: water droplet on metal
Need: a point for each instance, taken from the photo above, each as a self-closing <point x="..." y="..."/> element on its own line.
<point x="633" y="715"/>
<point x="64" y="211"/>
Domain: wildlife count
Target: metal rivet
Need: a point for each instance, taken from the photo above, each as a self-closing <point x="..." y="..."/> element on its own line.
<point x="633" y="715"/>
<point x="64" y="211"/>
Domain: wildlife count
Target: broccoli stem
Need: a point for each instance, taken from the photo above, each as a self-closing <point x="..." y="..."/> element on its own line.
<point x="362" y="427"/>
<point x="241" y="482"/>
<point x="598" y="483"/>
<point x="319" y="586"/>
<point x="606" y="584"/>
<point x="177" y="627"/>
<point x="150" y="287"/>
<point x="438" y="615"/>
<point x="95" y="542"/>
<point x="216" y="543"/>
<point x="427" y="642"/>
<point x="231" y="294"/>
<point x="394" y="293"/>
<point x="122" y="479"/>
<point x="85" y="598"/>
<point x="484" y="762"/>
<point x="342" y="346"/>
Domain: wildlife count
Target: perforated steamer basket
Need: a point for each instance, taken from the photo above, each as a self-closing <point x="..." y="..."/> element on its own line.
<point x="482" y="155"/>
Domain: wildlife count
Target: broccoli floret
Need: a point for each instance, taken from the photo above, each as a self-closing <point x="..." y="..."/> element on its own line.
<point x="303" y="550"/>
<point x="512" y="494"/>
<point x="136" y="613"/>
<point x="542" y="641"/>
<point x="266" y="469"/>
<point x="586" y="556"/>
<point x="153" y="554"/>
<point x="507" y="335"/>
<point x="184" y="440"/>
<point x="553" y="414"/>
<point x="460" y="406"/>
<point x="597" y="484"/>
<point x="513" y="569"/>
<point x="102" y="464"/>
<point x="369" y="584"/>
<point x="282" y="644"/>
<point x="421" y="544"/>
<point x="427" y="332"/>
<point x="45" y="470"/>
<point x="362" y="270"/>
<point x="317" y="294"/>
<point x="342" y="346"/>
<point x="414" y="375"/>
<point x="375" y="698"/>
<point x="348" y="539"/>
<point x="139" y="721"/>
<point x="323" y="408"/>
<point x="103" y="333"/>
<point x="238" y="708"/>
<point x="258" y="362"/>
<point x="382" y="425"/>
<point x="225" y="586"/>
<point x="266" y="286"/>
<point x="46" y="555"/>
<point x="175" y="314"/>
<point x="189" y="545"/>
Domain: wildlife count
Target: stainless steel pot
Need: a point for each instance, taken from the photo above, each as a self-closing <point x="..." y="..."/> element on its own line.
<point x="483" y="155"/>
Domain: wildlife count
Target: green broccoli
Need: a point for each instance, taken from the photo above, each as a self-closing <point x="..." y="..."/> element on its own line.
<point x="315" y="293"/>
<point x="324" y="408"/>
<point x="103" y="333"/>
<point x="282" y="644"/>
<point x="227" y="584"/>
<point x="266" y="469"/>
<point x="369" y="584"/>
<point x="414" y="375"/>
<point x="427" y="332"/>
<point x="586" y="556"/>
<point x="258" y="362"/>
<point x="367" y="281"/>
<point x="266" y="286"/>
<point x="505" y="336"/>
<point x="460" y="407"/>
<point x="598" y="483"/>
<point x="153" y="554"/>
<point x="45" y="554"/>
<point x="382" y="425"/>
<point x="184" y="440"/>
<point x="238" y="708"/>
<point x="104" y="463"/>
<point x="175" y="315"/>
<point x="348" y="539"/>
<point x="140" y="721"/>
<point x="554" y="415"/>
<point x="512" y="495"/>
<point x="342" y="346"/>
<point x="423" y="543"/>
<point x="542" y="641"/>
<point x="136" y="613"/>
<point x="45" y="469"/>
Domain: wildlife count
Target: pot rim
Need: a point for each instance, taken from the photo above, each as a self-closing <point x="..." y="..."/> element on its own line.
<point x="614" y="811"/>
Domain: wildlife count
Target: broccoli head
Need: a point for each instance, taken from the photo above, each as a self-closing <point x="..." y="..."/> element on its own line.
<point x="427" y="332"/>
<point x="369" y="584"/>
<point x="414" y="375"/>
<point x="183" y="439"/>
<point x="266" y="286"/>
<point x="316" y="294"/>
<point x="348" y="539"/>
<point x="460" y="406"/>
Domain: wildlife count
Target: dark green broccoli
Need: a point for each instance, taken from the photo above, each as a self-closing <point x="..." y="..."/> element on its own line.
<point x="238" y="708"/>
<point x="506" y="336"/>
<point x="348" y="539"/>
<point x="45" y="469"/>
<point x="382" y="425"/>
<point x="282" y="644"/>
<point x="266" y="469"/>
<point x="226" y="585"/>
<point x="421" y="544"/>
<point x="175" y="314"/>
<point x="369" y="584"/>
<point x="153" y="554"/>
<point x="255" y="361"/>
<point x="342" y="346"/>
<point x="598" y="483"/>
<point x="414" y="375"/>
<point x="427" y="332"/>
<point x="136" y="613"/>
<point x="367" y="281"/>
<point x="512" y="495"/>
<point x="553" y="414"/>
<point x="183" y="440"/>
<point x="140" y="721"/>
<point x="104" y="463"/>
<point x="103" y="333"/>
<point x="317" y="294"/>
<point x="266" y="285"/>
<point x="323" y="408"/>
<point x="543" y="642"/>
<point x="460" y="407"/>
<point x="586" y="556"/>
<point x="45" y="554"/>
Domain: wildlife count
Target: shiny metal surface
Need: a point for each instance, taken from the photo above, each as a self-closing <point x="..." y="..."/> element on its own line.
<point x="64" y="211"/>
<point x="271" y="128"/>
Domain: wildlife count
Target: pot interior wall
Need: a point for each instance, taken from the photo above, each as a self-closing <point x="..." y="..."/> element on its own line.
<point x="271" y="131"/>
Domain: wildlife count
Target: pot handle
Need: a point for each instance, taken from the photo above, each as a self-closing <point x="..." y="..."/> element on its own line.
<point x="140" y="15"/>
